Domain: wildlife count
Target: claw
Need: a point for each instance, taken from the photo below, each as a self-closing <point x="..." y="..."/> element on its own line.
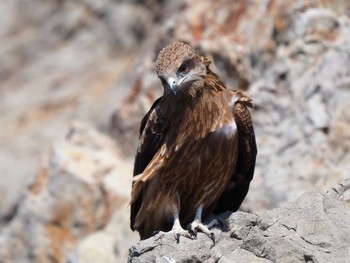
<point x="177" y="238"/>
<point x="198" y="225"/>
<point x="193" y="233"/>
<point x="212" y="237"/>
<point x="178" y="230"/>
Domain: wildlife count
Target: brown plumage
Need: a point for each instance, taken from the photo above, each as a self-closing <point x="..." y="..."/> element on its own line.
<point x="197" y="148"/>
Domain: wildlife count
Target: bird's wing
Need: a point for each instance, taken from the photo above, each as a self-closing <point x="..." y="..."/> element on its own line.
<point x="234" y="194"/>
<point x="152" y="133"/>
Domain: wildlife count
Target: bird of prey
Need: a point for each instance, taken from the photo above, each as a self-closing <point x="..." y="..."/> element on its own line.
<point x="197" y="150"/>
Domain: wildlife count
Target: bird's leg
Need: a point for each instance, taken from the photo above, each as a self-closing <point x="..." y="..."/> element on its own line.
<point x="198" y="225"/>
<point x="178" y="230"/>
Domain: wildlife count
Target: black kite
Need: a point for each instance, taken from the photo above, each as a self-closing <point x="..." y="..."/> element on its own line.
<point x="197" y="148"/>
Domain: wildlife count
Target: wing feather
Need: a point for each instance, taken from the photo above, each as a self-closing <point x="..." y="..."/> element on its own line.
<point x="234" y="194"/>
<point x="152" y="133"/>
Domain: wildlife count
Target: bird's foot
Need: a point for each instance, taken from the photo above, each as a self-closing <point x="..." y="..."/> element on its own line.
<point x="178" y="231"/>
<point x="198" y="225"/>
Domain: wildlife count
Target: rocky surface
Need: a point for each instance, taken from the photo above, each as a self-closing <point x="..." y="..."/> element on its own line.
<point x="75" y="193"/>
<point x="93" y="61"/>
<point x="313" y="228"/>
<point x="61" y="61"/>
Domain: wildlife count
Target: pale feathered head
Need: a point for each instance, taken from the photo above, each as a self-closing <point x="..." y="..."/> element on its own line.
<point x="179" y="67"/>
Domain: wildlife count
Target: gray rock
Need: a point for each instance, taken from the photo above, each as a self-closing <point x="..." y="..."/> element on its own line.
<point x="318" y="20"/>
<point x="317" y="112"/>
<point x="73" y="195"/>
<point x="128" y="24"/>
<point x="313" y="228"/>
<point x="7" y="16"/>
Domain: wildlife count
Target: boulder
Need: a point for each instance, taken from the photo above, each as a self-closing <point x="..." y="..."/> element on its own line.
<point x="74" y="194"/>
<point x="313" y="228"/>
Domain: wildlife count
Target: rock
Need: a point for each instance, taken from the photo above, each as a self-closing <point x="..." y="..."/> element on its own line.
<point x="115" y="237"/>
<point x="63" y="55"/>
<point x="340" y="132"/>
<point x="128" y="24"/>
<point x="317" y="111"/>
<point x="313" y="228"/>
<point x="75" y="194"/>
<point x="7" y="17"/>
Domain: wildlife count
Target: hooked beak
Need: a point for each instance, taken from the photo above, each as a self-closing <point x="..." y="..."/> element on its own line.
<point x="172" y="84"/>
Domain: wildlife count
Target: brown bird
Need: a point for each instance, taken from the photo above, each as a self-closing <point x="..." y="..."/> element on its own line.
<point x="197" y="148"/>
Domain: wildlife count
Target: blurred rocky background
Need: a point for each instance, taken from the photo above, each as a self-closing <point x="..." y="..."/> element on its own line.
<point x="77" y="76"/>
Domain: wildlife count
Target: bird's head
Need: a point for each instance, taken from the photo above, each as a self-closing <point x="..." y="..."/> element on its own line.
<point x="180" y="69"/>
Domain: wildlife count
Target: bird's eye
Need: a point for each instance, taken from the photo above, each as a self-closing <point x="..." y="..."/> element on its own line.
<point x="183" y="69"/>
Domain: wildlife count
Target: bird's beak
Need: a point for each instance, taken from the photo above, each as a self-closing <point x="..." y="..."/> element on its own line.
<point x="172" y="84"/>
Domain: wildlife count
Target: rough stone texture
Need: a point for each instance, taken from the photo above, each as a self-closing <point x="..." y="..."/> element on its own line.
<point x="60" y="61"/>
<point x="314" y="228"/>
<point x="297" y="101"/>
<point x="75" y="194"/>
